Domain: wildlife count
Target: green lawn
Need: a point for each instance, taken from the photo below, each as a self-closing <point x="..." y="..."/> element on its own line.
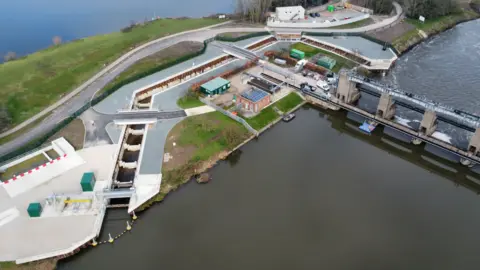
<point x="234" y="34"/>
<point x="311" y="51"/>
<point x="188" y="101"/>
<point x="24" y="166"/>
<point x="261" y="120"/>
<point x="30" y="84"/>
<point x="211" y="133"/>
<point x="288" y="102"/>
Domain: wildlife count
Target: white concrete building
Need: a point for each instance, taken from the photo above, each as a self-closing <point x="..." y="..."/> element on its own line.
<point x="290" y="13"/>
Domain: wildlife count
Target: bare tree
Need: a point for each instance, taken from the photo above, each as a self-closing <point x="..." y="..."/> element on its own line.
<point x="57" y="40"/>
<point x="5" y="118"/>
<point x="10" y="56"/>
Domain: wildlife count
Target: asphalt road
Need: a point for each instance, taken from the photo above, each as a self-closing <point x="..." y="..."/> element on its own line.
<point x="86" y="93"/>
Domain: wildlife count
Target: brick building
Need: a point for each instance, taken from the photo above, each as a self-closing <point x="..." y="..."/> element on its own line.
<point x="254" y="100"/>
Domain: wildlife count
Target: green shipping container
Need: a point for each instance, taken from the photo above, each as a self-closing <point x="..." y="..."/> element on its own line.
<point x="216" y="86"/>
<point x="297" y="54"/>
<point x="88" y="181"/>
<point x="34" y="209"/>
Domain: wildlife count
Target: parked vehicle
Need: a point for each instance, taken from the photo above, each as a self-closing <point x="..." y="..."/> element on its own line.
<point x="317" y="14"/>
<point x="323" y="85"/>
<point x="304" y="73"/>
<point x="312" y="15"/>
<point x="331" y="78"/>
<point x="288" y="117"/>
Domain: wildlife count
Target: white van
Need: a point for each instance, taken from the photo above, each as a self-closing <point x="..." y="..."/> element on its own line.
<point x="323" y="85"/>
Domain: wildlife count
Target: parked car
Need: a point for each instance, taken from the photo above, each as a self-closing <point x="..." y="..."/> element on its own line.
<point x="312" y="15"/>
<point x="317" y="14"/>
<point x="331" y="78"/>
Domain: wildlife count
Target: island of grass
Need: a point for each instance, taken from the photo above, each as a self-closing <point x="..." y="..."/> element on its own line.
<point x="189" y="101"/>
<point x="312" y="51"/>
<point x="32" y="83"/>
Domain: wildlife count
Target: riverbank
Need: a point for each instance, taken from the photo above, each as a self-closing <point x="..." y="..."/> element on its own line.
<point x="423" y="31"/>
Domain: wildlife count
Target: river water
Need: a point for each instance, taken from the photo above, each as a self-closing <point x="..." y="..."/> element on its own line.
<point x="29" y="25"/>
<point x="316" y="193"/>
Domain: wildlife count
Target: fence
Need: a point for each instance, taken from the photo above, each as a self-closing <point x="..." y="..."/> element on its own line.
<point x="229" y="114"/>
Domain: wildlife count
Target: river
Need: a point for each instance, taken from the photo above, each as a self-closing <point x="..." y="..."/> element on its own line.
<point x="29" y="25"/>
<point x="316" y="193"/>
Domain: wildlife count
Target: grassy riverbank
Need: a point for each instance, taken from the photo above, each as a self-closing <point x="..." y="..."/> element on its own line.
<point x="30" y="84"/>
<point x="430" y="28"/>
<point x="48" y="264"/>
<point x="200" y="141"/>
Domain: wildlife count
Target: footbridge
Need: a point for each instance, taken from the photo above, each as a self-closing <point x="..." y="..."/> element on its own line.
<point x="237" y="51"/>
<point x="116" y="193"/>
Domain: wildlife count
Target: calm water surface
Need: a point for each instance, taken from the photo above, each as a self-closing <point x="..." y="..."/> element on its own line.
<point x="310" y="194"/>
<point x="30" y="25"/>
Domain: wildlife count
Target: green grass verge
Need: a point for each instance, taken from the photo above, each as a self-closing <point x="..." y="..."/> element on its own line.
<point x="24" y="166"/>
<point x="211" y="134"/>
<point x="261" y="120"/>
<point x="288" y="102"/>
<point x="361" y="23"/>
<point x="311" y="51"/>
<point x="188" y="101"/>
<point x="30" y="84"/>
<point x="431" y="27"/>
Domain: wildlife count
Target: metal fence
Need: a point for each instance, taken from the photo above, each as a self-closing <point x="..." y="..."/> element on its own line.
<point x="229" y="114"/>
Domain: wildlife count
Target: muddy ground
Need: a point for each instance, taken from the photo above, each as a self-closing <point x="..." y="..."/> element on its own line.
<point x="390" y="34"/>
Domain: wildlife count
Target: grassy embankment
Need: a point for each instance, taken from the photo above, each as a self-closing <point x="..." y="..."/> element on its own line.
<point x="311" y="51"/>
<point x="188" y="102"/>
<point x="199" y="142"/>
<point x="357" y="24"/>
<point x="431" y="27"/>
<point x="269" y="115"/>
<point x="48" y="264"/>
<point x="146" y="64"/>
<point x="31" y="83"/>
<point x="23" y="167"/>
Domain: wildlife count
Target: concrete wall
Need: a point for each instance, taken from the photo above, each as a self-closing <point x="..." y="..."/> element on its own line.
<point x="286" y="13"/>
<point x="276" y="23"/>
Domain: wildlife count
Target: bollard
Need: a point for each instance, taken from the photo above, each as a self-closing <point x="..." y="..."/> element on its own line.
<point x="134" y="217"/>
<point x="94" y="243"/>
<point x="128" y="226"/>
<point x="110" y="239"/>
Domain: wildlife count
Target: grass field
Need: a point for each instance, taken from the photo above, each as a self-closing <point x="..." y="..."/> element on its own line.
<point x="289" y="102"/>
<point x="74" y="133"/>
<point x="311" y="51"/>
<point x="30" y="84"/>
<point x="188" y="101"/>
<point x="261" y="120"/>
<point x="199" y="142"/>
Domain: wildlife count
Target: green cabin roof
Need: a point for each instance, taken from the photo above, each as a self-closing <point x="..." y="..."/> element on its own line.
<point x="34" y="207"/>
<point x="215" y="84"/>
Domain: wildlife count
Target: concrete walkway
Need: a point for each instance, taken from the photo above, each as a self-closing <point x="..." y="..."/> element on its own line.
<point x="83" y="94"/>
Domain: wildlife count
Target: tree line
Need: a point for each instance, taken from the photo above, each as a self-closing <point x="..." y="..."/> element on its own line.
<point x="256" y="10"/>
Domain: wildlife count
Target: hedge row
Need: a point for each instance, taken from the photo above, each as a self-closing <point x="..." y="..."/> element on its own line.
<point x="365" y="36"/>
<point x="41" y="140"/>
<point x="247" y="36"/>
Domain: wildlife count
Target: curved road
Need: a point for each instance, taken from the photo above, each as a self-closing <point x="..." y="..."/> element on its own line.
<point x="83" y="94"/>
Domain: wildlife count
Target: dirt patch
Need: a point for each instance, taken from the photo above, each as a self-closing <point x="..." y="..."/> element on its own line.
<point x="74" y="133"/>
<point x="175" y="51"/>
<point x="48" y="264"/>
<point x="390" y="34"/>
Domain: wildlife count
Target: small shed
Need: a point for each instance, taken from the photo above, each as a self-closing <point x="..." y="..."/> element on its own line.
<point x="326" y="62"/>
<point x="88" y="181"/>
<point x="254" y="100"/>
<point x="297" y="54"/>
<point x="34" y="209"/>
<point x="216" y="86"/>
